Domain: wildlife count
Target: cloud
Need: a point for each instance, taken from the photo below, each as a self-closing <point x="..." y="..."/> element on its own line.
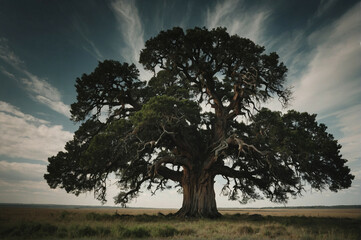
<point x="248" y="23"/>
<point x="24" y="136"/>
<point x="14" y="171"/>
<point x="332" y="78"/>
<point x="14" y="111"/>
<point x="323" y="7"/>
<point x="90" y="46"/>
<point x="348" y="123"/>
<point x="7" y="54"/>
<point x="132" y="32"/>
<point x="39" y="89"/>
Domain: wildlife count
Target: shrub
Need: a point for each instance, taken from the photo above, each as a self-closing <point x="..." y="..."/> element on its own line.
<point x="187" y="231"/>
<point x="98" y="217"/>
<point x="102" y="231"/>
<point x="30" y="230"/>
<point x="137" y="232"/>
<point x="245" y="230"/>
<point x="274" y="231"/>
<point x="64" y="215"/>
<point x="166" y="231"/>
<point x="82" y="231"/>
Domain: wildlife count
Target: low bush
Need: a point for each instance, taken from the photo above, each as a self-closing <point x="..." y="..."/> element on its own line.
<point x="99" y="217"/>
<point x="247" y="230"/>
<point x="82" y="231"/>
<point x="187" y="232"/>
<point x="137" y="232"/>
<point x="166" y="231"/>
<point x="30" y="230"/>
<point x="87" y="231"/>
<point x="273" y="231"/>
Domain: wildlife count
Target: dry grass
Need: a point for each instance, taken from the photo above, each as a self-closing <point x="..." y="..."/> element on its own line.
<point x="98" y="223"/>
<point x="306" y="212"/>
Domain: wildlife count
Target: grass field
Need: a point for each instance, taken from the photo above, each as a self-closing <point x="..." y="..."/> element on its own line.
<point x="99" y="223"/>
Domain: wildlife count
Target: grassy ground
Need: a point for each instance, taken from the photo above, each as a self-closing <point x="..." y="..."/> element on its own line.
<point x="40" y="223"/>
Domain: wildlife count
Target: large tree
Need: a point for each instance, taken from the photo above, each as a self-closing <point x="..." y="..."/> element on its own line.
<point x="198" y="117"/>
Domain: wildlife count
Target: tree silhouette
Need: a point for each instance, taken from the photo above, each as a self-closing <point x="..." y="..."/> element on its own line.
<point x="197" y="118"/>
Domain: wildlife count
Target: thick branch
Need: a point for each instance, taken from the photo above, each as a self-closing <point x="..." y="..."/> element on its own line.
<point x="158" y="168"/>
<point x="237" y="174"/>
<point x="241" y="144"/>
<point x="165" y="172"/>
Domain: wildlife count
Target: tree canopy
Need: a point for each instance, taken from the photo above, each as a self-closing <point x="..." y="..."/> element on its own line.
<point x="199" y="116"/>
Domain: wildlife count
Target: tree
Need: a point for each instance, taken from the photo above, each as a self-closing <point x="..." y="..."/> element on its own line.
<point x="197" y="118"/>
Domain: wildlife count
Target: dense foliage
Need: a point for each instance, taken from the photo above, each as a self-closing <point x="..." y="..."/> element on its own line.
<point x="198" y="117"/>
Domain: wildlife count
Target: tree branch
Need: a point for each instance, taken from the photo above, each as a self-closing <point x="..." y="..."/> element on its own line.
<point x="165" y="172"/>
<point x="241" y="144"/>
<point x="158" y="168"/>
<point x="228" y="172"/>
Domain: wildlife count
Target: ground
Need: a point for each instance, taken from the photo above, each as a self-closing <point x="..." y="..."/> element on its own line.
<point x="117" y="223"/>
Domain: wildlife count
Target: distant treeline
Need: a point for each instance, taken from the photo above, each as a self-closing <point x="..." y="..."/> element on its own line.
<point x="25" y="205"/>
<point x="110" y="207"/>
<point x="318" y="207"/>
<point x="300" y="207"/>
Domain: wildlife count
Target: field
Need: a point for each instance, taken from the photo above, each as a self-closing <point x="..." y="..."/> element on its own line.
<point x="113" y="223"/>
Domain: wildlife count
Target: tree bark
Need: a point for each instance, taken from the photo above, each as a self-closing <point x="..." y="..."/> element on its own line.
<point x="198" y="195"/>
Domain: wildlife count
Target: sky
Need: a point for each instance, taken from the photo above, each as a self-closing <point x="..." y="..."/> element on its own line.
<point x="46" y="45"/>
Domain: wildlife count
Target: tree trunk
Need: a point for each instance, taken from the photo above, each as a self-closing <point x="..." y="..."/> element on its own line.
<point x="198" y="195"/>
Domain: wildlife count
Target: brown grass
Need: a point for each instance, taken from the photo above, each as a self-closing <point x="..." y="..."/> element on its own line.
<point x="44" y="213"/>
<point x="118" y="223"/>
<point x="306" y="212"/>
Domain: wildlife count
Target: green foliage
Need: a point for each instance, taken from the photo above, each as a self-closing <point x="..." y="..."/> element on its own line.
<point x="166" y="231"/>
<point x="136" y="232"/>
<point x="168" y="111"/>
<point x="95" y="225"/>
<point x="247" y="230"/>
<point x="187" y="117"/>
<point x="31" y="230"/>
<point x="111" y="84"/>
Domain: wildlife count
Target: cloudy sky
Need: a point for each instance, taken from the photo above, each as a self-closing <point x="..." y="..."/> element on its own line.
<point x="46" y="45"/>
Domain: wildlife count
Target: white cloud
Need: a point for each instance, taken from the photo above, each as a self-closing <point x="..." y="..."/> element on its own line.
<point x="14" y="111"/>
<point x="332" y="78"/>
<point x="57" y="106"/>
<point x="14" y="171"/>
<point x="24" y="136"/>
<point x="323" y="7"/>
<point x="238" y="20"/>
<point x="132" y="32"/>
<point x="89" y="45"/>
<point x="39" y="89"/>
<point x="39" y="192"/>
<point x="7" y="54"/>
<point x="347" y="121"/>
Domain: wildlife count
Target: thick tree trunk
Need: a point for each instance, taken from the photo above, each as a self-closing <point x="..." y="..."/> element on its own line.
<point x="198" y="195"/>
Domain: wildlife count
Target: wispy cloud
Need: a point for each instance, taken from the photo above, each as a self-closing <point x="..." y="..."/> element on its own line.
<point x="39" y="89"/>
<point x="332" y="77"/>
<point x="15" y="112"/>
<point x="15" y="171"/>
<point x="28" y="137"/>
<point x="131" y="27"/>
<point x="36" y="191"/>
<point x="323" y="7"/>
<point x="132" y="32"/>
<point x="348" y="123"/>
<point x="88" y="45"/>
<point x="7" y="54"/>
<point x="238" y="20"/>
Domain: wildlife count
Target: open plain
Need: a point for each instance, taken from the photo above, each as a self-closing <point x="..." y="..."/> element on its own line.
<point x="18" y="222"/>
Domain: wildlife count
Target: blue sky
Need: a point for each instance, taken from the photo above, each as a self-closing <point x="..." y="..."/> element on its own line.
<point x="46" y="45"/>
